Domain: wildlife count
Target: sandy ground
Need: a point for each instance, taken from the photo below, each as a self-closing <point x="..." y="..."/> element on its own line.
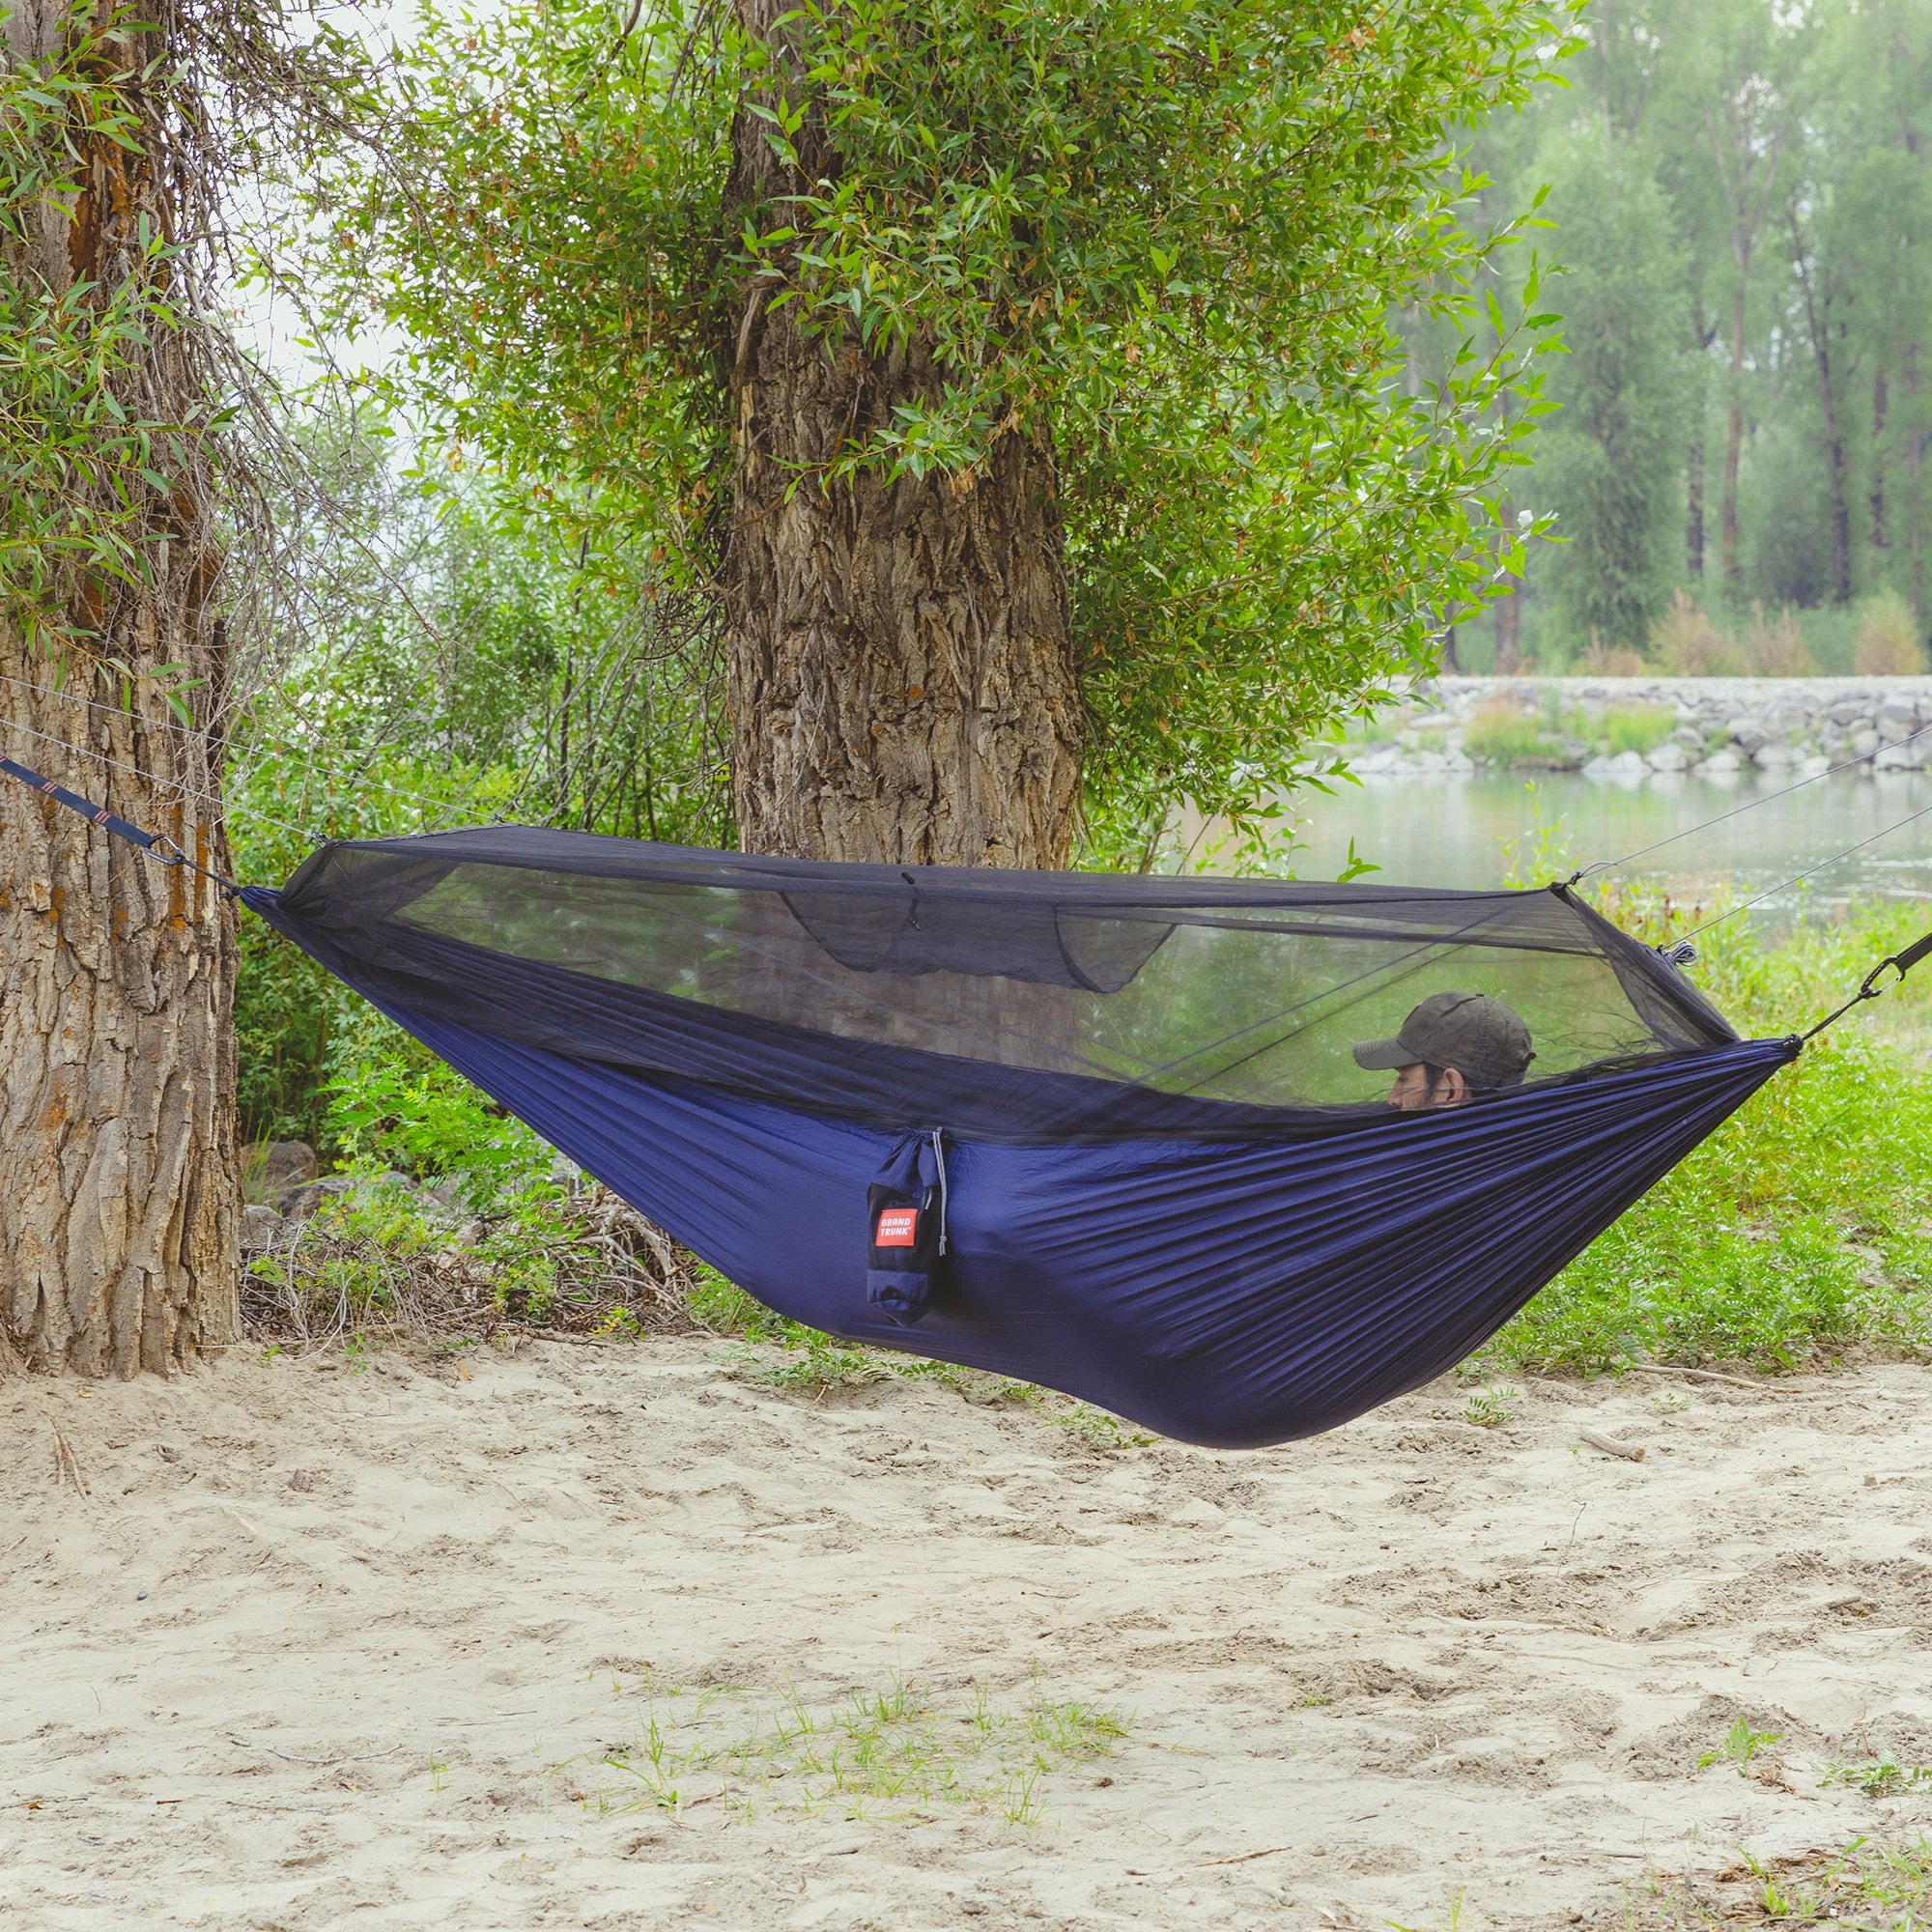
<point x="391" y="1647"/>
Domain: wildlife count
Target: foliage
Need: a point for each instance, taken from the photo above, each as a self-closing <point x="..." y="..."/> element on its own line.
<point x="1741" y="1748"/>
<point x="85" y="470"/>
<point x="434" y="1123"/>
<point x="1784" y="154"/>
<point x="1620" y="425"/>
<point x="455" y="662"/>
<point x="1886" y="644"/>
<point x="1167" y="235"/>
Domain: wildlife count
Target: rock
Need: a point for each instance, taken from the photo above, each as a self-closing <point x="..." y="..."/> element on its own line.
<point x="1724" y="762"/>
<point x="1629" y="765"/>
<point x="1690" y="735"/>
<point x="305" y="1201"/>
<point x="1897" y="720"/>
<point x="1747" y="735"/>
<point x="1863" y="743"/>
<point x="1852" y="712"/>
<point x="1896" y="758"/>
<point x="1774" y="755"/>
<point x="261" y="1228"/>
<point x="1669" y="756"/>
<point x="271" y="1170"/>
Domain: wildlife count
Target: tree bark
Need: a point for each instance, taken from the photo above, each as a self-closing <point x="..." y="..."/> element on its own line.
<point x="118" y="1182"/>
<point x="901" y="673"/>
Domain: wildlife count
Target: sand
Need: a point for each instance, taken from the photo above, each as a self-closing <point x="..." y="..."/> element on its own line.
<point x="332" y="1646"/>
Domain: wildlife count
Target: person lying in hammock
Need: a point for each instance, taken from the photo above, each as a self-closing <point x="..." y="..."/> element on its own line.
<point x="1452" y="1050"/>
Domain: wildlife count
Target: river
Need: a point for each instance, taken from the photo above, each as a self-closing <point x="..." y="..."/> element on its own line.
<point x="1452" y="831"/>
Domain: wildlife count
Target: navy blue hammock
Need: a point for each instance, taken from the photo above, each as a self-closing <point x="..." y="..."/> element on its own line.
<point x="1102" y="1133"/>
<point x="1120" y="1135"/>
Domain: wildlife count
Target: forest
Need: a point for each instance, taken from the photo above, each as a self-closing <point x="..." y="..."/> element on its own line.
<point x="1741" y="230"/>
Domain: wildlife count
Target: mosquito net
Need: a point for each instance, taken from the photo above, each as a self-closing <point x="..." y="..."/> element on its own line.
<point x="1006" y="1004"/>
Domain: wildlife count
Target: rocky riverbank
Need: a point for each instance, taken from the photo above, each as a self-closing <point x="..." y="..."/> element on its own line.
<point x="1633" y="728"/>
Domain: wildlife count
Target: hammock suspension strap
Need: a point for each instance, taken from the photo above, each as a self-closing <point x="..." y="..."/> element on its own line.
<point x="157" y="845"/>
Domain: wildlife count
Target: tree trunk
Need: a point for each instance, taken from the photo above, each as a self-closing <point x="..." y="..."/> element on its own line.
<point x="1818" y="324"/>
<point x="118" y="1190"/>
<point x="1703" y="334"/>
<point x="1734" y="442"/>
<point x="1881" y="540"/>
<point x="1509" y="622"/>
<point x="900" y="669"/>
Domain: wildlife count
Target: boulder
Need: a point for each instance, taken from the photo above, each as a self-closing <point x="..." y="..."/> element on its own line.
<point x="1896" y="758"/>
<point x="1852" y="712"/>
<point x="273" y="1171"/>
<point x="1748" y="734"/>
<point x="1774" y="754"/>
<point x="261" y="1230"/>
<point x="1724" y="762"/>
<point x="1863" y="743"/>
<point x="1897" y="720"/>
<point x="1669" y="756"/>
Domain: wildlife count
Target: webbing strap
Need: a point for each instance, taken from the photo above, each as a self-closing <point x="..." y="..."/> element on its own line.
<point x="1869" y="989"/>
<point x="150" y="842"/>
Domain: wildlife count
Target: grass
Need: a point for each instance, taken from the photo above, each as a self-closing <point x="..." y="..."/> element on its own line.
<point x="1801" y="1230"/>
<point x="1865" y="1886"/>
<point x="902" y="1746"/>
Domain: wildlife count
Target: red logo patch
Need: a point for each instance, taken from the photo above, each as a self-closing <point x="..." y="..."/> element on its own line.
<point x="898" y="1228"/>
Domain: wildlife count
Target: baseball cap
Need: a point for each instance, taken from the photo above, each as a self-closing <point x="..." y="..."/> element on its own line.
<point x="1478" y="1036"/>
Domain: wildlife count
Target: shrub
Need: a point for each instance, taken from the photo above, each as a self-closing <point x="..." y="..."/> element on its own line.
<point x="1503" y="733"/>
<point x="1602" y="660"/>
<point x="1777" y="647"/>
<point x="1686" y="642"/>
<point x="1635" y="727"/>
<point x="1886" y="644"/>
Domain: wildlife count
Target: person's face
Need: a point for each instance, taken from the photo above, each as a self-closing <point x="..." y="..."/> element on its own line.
<point x="1414" y="1091"/>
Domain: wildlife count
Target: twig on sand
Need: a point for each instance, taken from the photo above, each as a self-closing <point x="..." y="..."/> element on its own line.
<point x="1208" y="1864"/>
<point x="1631" y="1452"/>
<point x="1762" y="1386"/>
<point x="66" y="1464"/>
<point x="352" y="1757"/>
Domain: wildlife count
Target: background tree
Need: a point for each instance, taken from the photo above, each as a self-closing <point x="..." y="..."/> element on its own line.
<point x="118" y="1197"/>
<point x="1018" y="380"/>
<point x="1789" y="146"/>
<point x="1612" y="453"/>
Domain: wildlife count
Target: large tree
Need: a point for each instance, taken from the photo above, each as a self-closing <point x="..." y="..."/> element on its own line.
<point x="117" y="1198"/>
<point x="1017" y="377"/>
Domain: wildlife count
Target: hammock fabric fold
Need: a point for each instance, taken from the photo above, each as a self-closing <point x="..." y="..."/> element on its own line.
<point x="1099" y="1132"/>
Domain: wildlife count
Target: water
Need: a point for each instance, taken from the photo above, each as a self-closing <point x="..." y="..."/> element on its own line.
<point x="1452" y="832"/>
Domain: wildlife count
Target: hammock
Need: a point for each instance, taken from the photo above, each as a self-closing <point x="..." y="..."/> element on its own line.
<point x="1128" y="1137"/>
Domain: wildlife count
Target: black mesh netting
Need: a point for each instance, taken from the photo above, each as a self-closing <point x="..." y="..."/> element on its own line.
<point x="1014" y="1004"/>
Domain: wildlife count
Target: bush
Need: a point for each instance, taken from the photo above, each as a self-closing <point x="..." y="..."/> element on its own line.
<point x="1886" y="644"/>
<point x="1777" y="647"/>
<point x="1502" y="734"/>
<point x="1635" y="727"/>
<point x="1686" y="642"/>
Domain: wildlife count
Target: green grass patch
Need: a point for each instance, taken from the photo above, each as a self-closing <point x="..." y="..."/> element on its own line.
<point x="1501" y="734"/>
<point x="1803" y="1228"/>
<point x="1629" y="727"/>
<point x="900" y="1750"/>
